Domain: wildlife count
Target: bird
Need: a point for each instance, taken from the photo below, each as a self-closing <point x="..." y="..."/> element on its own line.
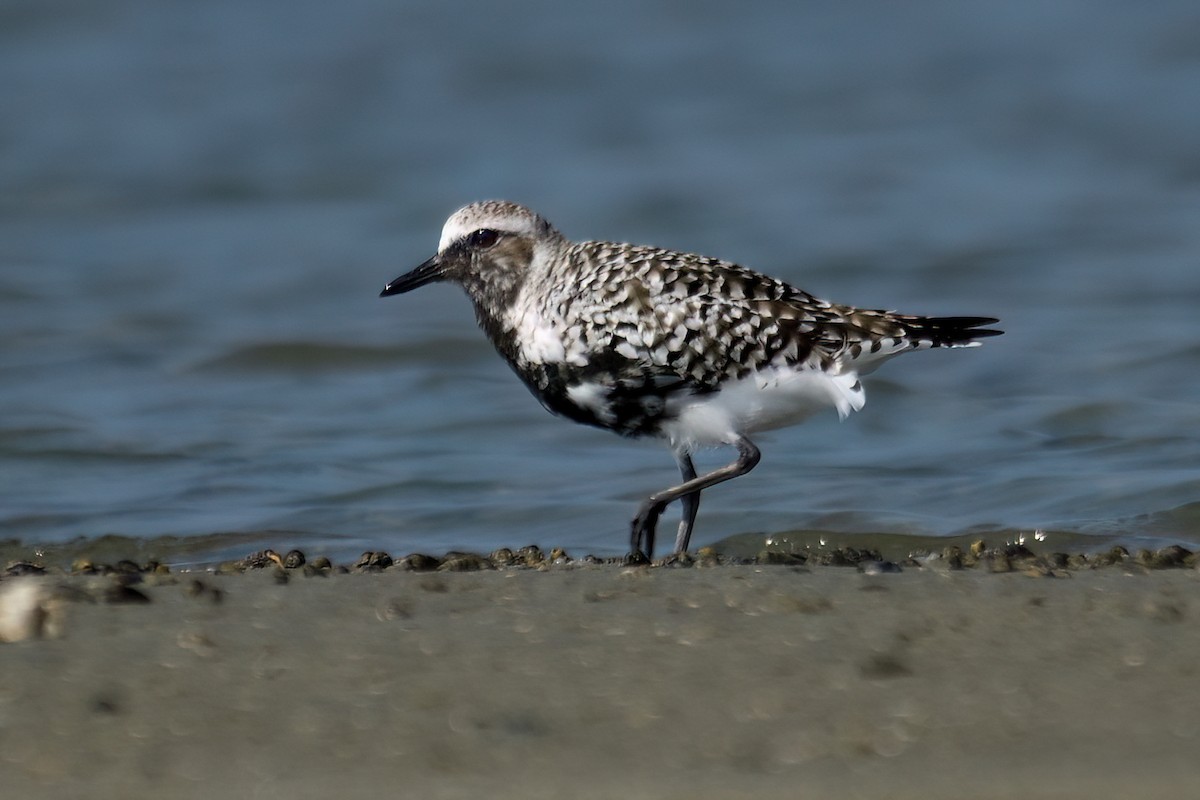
<point x="652" y="342"/>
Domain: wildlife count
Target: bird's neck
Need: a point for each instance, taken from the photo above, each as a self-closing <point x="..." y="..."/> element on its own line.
<point x="496" y="322"/>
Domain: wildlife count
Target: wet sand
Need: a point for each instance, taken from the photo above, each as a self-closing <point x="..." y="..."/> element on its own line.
<point x="607" y="681"/>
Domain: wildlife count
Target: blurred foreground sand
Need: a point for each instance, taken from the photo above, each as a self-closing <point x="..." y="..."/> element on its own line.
<point x="613" y="682"/>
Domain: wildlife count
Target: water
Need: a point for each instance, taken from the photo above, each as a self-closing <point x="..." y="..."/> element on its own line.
<point x="201" y="203"/>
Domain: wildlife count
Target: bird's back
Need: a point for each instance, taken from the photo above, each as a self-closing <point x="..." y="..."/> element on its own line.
<point x="610" y="334"/>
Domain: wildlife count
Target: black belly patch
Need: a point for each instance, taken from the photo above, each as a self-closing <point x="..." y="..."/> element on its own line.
<point x="631" y="404"/>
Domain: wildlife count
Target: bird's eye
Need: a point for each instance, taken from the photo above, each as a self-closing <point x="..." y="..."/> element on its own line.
<point x="483" y="238"/>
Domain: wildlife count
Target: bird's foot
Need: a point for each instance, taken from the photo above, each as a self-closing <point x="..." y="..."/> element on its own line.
<point x="680" y="558"/>
<point x="642" y="530"/>
<point x="637" y="559"/>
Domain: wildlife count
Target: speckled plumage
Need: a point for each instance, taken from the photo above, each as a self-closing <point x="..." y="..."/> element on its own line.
<point x="645" y="341"/>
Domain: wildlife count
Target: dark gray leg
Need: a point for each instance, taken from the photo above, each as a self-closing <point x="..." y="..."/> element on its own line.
<point x="652" y="507"/>
<point x="690" y="503"/>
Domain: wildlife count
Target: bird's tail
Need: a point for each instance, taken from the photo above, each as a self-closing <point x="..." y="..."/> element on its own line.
<point x="947" y="331"/>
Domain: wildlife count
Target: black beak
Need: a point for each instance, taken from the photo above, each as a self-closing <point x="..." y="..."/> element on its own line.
<point x="428" y="272"/>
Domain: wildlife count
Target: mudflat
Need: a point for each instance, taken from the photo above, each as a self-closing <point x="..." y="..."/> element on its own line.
<point x="601" y="681"/>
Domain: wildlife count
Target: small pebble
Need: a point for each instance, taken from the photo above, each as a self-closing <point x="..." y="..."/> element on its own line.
<point x="504" y="557"/>
<point x="16" y="569"/>
<point x="417" y="562"/>
<point x="464" y="562"/>
<point x="531" y="555"/>
<point x="373" y="562"/>
<point x="28" y="611"/>
<point x="203" y="591"/>
<point x="120" y="591"/>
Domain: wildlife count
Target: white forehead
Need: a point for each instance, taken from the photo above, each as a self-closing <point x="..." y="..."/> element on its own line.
<point x="497" y="215"/>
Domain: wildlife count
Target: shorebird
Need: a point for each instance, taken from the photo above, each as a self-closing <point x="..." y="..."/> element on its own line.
<point x="644" y="341"/>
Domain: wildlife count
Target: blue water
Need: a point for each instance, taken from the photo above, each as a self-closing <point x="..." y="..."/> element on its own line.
<point x="201" y="202"/>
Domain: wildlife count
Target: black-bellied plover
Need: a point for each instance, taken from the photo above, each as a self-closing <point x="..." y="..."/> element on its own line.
<point x="651" y="342"/>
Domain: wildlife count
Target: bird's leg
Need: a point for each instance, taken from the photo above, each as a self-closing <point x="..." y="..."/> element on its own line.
<point x="652" y="507"/>
<point x="690" y="502"/>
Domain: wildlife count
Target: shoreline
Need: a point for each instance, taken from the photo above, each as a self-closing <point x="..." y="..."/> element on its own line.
<point x="205" y="551"/>
<point x="593" y="680"/>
